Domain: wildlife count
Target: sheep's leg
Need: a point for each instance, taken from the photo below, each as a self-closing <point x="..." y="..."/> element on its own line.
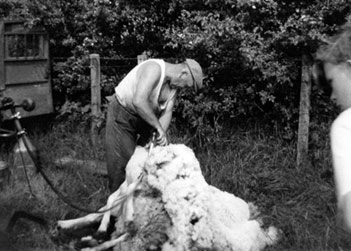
<point x="94" y="217"/>
<point x="128" y="209"/>
<point x="80" y="222"/>
<point x="107" y="244"/>
<point x="128" y="213"/>
<point x="112" y="201"/>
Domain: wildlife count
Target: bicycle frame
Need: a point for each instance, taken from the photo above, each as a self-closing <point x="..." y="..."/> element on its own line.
<point x="7" y="103"/>
<point x="34" y="155"/>
<point x="19" y="132"/>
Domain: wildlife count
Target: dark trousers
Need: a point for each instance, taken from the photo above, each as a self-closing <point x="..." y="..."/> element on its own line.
<point x="124" y="131"/>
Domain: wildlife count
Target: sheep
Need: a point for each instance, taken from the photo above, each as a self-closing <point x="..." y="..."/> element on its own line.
<point x="116" y="201"/>
<point x="200" y="216"/>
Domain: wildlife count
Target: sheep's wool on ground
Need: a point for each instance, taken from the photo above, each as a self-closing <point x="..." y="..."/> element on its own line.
<point x="196" y="215"/>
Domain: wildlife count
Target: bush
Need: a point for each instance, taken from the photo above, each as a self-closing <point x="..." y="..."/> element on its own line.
<point x="250" y="50"/>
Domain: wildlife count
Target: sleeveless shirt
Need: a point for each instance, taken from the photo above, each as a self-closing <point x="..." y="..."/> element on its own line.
<point x="126" y="89"/>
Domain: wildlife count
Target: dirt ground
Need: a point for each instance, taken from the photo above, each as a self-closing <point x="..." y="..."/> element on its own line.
<point x="20" y="236"/>
<point x="5" y="243"/>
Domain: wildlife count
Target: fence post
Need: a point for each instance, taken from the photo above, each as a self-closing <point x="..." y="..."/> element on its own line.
<point x="304" y="113"/>
<point x="142" y="58"/>
<point x="95" y="95"/>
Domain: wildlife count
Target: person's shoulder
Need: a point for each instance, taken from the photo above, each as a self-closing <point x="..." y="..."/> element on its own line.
<point x="345" y="116"/>
<point x="154" y="61"/>
<point x="151" y="65"/>
<point x="150" y="69"/>
<point x="342" y="123"/>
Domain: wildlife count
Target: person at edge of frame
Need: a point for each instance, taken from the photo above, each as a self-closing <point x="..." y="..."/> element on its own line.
<point x="142" y="104"/>
<point x="332" y="72"/>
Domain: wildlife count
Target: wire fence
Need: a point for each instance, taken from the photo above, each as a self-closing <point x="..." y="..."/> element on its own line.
<point x="109" y="71"/>
<point x="112" y="69"/>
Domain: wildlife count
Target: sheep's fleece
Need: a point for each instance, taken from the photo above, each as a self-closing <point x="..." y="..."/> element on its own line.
<point x="200" y="216"/>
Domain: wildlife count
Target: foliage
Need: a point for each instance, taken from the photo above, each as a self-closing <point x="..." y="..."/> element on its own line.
<point x="252" y="52"/>
<point x="250" y="49"/>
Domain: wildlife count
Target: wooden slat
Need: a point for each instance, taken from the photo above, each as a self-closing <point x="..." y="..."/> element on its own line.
<point x="2" y="67"/>
<point x="22" y="72"/>
<point x="17" y="26"/>
<point x="25" y="33"/>
<point x="24" y="59"/>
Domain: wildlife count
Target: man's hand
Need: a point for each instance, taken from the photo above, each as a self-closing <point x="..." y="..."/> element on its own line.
<point x="161" y="137"/>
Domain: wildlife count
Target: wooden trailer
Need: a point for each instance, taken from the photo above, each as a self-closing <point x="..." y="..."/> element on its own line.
<point x="25" y="65"/>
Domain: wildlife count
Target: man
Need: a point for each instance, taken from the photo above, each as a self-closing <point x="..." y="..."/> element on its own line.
<point x="143" y="103"/>
<point x="332" y="71"/>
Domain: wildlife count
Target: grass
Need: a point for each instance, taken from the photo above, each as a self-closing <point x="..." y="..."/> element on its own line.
<point x="254" y="164"/>
<point x="82" y="189"/>
<point x="260" y="167"/>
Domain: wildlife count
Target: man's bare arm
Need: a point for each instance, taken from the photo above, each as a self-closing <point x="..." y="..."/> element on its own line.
<point x="166" y="116"/>
<point x="148" y="78"/>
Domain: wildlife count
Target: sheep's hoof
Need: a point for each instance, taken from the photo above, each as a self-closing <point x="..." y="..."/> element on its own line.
<point x="130" y="228"/>
<point x="61" y="225"/>
<point x="58" y="236"/>
<point x="102" y="236"/>
<point x="86" y="242"/>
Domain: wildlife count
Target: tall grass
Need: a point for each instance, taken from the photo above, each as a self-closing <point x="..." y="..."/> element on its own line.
<point x="254" y="164"/>
<point x="86" y="190"/>
<point x="261" y="167"/>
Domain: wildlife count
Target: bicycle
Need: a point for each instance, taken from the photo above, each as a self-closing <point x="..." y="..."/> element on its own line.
<point x="7" y="103"/>
<point x="19" y="133"/>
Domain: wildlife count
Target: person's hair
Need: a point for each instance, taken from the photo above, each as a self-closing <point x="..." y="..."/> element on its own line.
<point x="320" y="79"/>
<point x="338" y="50"/>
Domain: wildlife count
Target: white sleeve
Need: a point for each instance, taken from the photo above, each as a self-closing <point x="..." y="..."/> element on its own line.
<point x="341" y="152"/>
